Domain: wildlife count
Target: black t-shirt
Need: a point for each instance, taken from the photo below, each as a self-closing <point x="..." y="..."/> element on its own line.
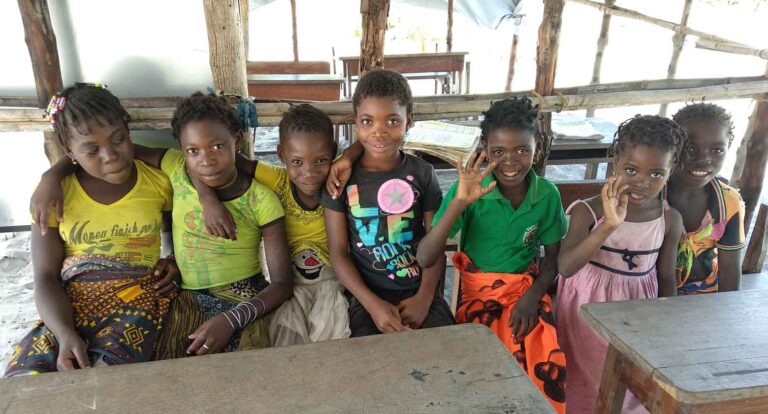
<point x="385" y="220"/>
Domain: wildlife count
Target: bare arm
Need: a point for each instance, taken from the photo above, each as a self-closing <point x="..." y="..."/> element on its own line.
<point x="279" y="265"/>
<point x="729" y="266"/>
<point x="150" y="156"/>
<point x="48" y="193"/>
<point x="580" y="244"/>
<point x="667" y="260"/>
<point x="432" y="245"/>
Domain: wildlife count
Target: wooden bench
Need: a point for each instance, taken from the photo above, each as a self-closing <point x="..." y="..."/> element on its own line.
<point x="313" y="87"/>
<point x="676" y="361"/>
<point x="454" y="369"/>
<point x="287" y="67"/>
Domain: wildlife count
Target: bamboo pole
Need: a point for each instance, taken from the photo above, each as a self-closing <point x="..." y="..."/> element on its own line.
<point x="374" y="16"/>
<point x="44" y="55"/>
<point x="294" y="32"/>
<point x="449" y="34"/>
<point x="678" y="40"/>
<point x="226" y="51"/>
<point x="631" y="14"/>
<point x="731" y="48"/>
<point x="512" y="59"/>
<point x="450" y="106"/>
<point x="602" y="42"/>
<point x="546" y="61"/>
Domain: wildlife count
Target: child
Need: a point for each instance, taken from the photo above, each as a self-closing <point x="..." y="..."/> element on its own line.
<point x="318" y="309"/>
<point x="504" y="218"/>
<point x="225" y="295"/>
<point x="709" y="257"/>
<point x="376" y="223"/>
<point x="96" y="266"/>
<point x="621" y="245"/>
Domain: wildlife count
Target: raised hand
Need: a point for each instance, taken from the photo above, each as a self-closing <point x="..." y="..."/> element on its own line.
<point x="615" y="198"/>
<point x="470" y="187"/>
<point x="341" y="171"/>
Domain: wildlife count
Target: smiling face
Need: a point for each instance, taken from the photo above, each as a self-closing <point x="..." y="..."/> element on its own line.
<point x="705" y="153"/>
<point x="209" y="149"/>
<point x="307" y="157"/>
<point x="513" y="151"/>
<point x="381" y="125"/>
<point x="105" y="153"/>
<point x="645" y="169"/>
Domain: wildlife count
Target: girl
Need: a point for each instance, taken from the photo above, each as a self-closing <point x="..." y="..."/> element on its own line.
<point x="709" y="257"/>
<point x="621" y="245"/>
<point x="318" y="309"/>
<point x="504" y="219"/>
<point x="96" y="268"/>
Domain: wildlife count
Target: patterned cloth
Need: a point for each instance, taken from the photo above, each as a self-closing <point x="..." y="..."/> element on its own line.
<point x="193" y="307"/>
<point x="116" y="312"/>
<point x="490" y="298"/>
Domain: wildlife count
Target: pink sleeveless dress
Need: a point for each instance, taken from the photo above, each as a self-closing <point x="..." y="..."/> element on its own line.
<point x="623" y="269"/>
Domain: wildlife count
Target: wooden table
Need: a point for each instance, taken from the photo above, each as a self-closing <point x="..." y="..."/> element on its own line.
<point x="312" y="87"/>
<point x="457" y="369"/>
<point x="581" y="151"/>
<point x="695" y="354"/>
<point x="414" y="66"/>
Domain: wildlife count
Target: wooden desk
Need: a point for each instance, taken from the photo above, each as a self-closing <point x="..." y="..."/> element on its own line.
<point x="581" y="151"/>
<point x="414" y="66"/>
<point x="457" y="369"/>
<point x="313" y="87"/>
<point x="695" y="354"/>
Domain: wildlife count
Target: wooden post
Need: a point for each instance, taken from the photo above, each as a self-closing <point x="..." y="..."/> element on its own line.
<point x="244" y="21"/>
<point x="512" y="59"/>
<point x="295" y="32"/>
<point x="678" y="39"/>
<point x="374" y="13"/>
<point x="750" y="180"/>
<point x="449" y="35"/>
<point x="758" y="243"/>
<point x="546" y="61"/>
<point x="44" y="54"/>
<point x="602" y="42"/>
<point x="227" y="52"/>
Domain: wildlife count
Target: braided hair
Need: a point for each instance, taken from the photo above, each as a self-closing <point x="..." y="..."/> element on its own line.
<point x="80" y="104"/>
<point x="651" y="131"/>
<point x="306" y="118"/>
<point x="200" y="107"/>
<point x="706" y="112"/>
<point x="513" y="113"/>
<point x="383" y="83"/>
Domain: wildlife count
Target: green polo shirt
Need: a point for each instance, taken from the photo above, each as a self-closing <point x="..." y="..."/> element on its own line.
<point x="498" y="238"/>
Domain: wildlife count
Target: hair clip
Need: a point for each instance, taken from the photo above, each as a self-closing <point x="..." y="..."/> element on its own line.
<point x="55" y="105"/>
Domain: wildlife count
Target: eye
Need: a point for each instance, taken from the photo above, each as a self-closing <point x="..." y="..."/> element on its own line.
<point x="91" y="152"/>
<point x="718" y="150"/>
<point x="118" y="139"/>
<point x="497" y="153"/>
<point x="691" y="149"/>
<point x="657" y="174"/>
<point x="630" y="171"/>
<point x="192" y="151"/>
<point x="366" y="121"/>
<point x="522" y="151"/>
<point x="296" y="162"/>
<point x="321" y="161"/>
<point x="393" y="122"/>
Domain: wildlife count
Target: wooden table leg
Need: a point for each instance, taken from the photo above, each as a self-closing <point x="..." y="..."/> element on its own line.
<point x="611" y="396"/>
<point x="591" y="172"/>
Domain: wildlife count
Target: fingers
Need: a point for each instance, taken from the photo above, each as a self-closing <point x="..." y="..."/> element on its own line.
<point x="624" y="198"/>
<point x="42" y="219"/>
<point x="82" y="357"/>
<point x="198" y="341"/>
<point x="489" y="188"/>
<point x="479" y="159"/>
<point x="489" y="169"/>
<point x="59" y="211"/>
<point x="65" y="364"/>
<point x="210" y="229"/>
<point x="230" y="229"/>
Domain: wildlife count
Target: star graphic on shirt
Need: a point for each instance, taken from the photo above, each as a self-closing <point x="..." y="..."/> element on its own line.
<point x="395" y="196"/>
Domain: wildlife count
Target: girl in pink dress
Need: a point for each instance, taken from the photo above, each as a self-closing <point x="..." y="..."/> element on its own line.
<point x="621" y="245"/>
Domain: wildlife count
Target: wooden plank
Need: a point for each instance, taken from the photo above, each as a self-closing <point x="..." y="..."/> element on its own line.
<point x="571" y="191"/>
<point x="754" y="258"/>
<point x="294" y="32"/>
<point x="750" y="181"/>
<point x="287" y="67"/>
<point x="731" y="48"/>
<point x="678" y="40"/>
<point x="747" y="378"/>
<point x="415" y="63"/>
<point x="312" y="79"/>
<point x="669" y="333"/>
<point x="602" y="42"/>
<point x="41" y="43"/>
<point x="454" y="369"/>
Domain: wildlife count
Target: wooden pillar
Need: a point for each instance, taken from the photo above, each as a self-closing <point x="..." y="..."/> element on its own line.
<point x="244" y="9"/>
<point x="227" y="52"/>
<point x="512" y="59"/>
<point x="374" y="13"/>
<point x="678" y="39"/>
<point x="449" y="34"/>
<point x="44" y="54"/>
<point x="755" y="144"/>
<point x="546" y="61"/>
<point x="757" y="248"/>
<point x="294" y="31"/>
<point x="602" y="42"/>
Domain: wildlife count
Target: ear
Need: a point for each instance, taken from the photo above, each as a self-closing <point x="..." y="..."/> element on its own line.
<point x="240" y="142"/>
<point x="280" y="152"/>
<point x="409" y="121"/>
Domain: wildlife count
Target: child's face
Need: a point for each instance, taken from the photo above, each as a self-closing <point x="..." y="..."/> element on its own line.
<point x="307" y="157"/>
<point x="705" y="154"/>
<point x="209" y="149"/>
<point x="513" y="150"/>
<point x="106" y="153"/>
<point x="645" y="169"/>
<point x="381" y="125"/>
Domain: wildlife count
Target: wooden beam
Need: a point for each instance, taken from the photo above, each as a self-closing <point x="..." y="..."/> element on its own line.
<point x="294" y="32"/>
<point x="750" y="181"/>
<point x="546" y="66"/>
<point x="374" y="15"/>
<point x="227" y="51"/>
<point x="602" y="42"/>
<point x="512" y="59"/>
<point x="631" y="14"/>
<point x="731" y="48"/>
<point x="454" y="106"/>
<point x="678" y="40"/>
<point x="449" y="34"/>
<point x="754" y="258"/>
<point x="244" y="13"/>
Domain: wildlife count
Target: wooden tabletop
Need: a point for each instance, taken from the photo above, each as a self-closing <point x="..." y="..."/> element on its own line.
<point x="294" y="78"/>
<point x="460" y="369"/>
<point x="700" y="349"/>
<point x="411" y="55"/>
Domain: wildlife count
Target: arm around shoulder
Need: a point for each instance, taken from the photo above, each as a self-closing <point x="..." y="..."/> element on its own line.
<point x="667" y="261"/>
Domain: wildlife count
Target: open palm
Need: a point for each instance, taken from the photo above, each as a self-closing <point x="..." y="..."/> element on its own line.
<point x="470" y="187"/>
<point x="614" y="198"/>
